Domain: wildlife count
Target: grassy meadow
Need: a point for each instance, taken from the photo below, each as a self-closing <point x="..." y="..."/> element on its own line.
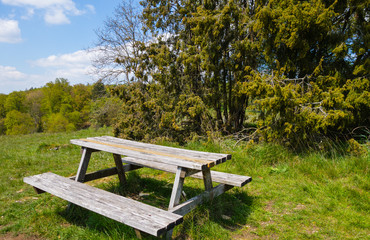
<point x="292" y="196"/>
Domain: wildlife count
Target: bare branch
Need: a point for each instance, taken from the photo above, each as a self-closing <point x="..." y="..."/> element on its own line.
<point x="119" y="44"/>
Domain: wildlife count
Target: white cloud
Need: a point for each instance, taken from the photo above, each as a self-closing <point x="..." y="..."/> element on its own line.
<point x="11" y="79"/>
<point x="29" y="15"/>
<point x="9" y="31"/>
<point x="8" y="72"/>
<point x="76" y="67"/>
<point x="55" y="11"/>
<point x="56" y="16"/>
<point x="81" y="58"/>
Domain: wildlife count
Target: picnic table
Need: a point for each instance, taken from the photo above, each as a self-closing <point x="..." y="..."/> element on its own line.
<point x="131" y="155"/>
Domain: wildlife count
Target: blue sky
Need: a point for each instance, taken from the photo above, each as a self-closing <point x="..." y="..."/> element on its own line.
<point x="41" y="40"/>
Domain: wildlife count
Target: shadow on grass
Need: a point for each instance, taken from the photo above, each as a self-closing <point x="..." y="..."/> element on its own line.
<point x="229" y="211"/>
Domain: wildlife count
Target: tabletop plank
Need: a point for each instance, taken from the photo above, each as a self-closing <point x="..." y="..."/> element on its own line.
<point x="217" y="157"/>
<point x="129" y="151"/>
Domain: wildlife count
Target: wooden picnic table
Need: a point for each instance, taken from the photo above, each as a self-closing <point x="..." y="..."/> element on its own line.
<point x="130" y="155"/>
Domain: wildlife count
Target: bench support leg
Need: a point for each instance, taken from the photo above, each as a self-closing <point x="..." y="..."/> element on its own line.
<point x="176" y="193"/>
<point x="207" y="179"/>
<point x="82" y="168"/>
<point x="177" y="187"/>
<point x="120" y="169"/>
<point x="138" y="234"/>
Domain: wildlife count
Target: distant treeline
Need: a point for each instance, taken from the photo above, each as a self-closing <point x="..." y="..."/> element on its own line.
<point x="57" y="107"/>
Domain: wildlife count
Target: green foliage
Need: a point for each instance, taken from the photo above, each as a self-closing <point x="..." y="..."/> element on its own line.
<point x="19" y="123"/>
<point x="2" y="105"/>
<point x="302" y="65"/>
<point x="2" y="126"/>
<point x="148" y="113"/>
<point x="105" y="111"/>
<point x="15" y="101"/>
<point x="308" y="109"/>
<point x="81" y="96"/>
<point x="33" y="102"/>
<point x="98" y="90"/>
<point x="57" y="122"/>
<point x="58" y="107"/>
<point x="56" y="94"/>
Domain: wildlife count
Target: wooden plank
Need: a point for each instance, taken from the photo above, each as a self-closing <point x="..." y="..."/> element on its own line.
<point x="219" y="177"/>
<point x="143" y="155"/>
<point x="130" y="212"/>
<point x="218" y="157"/>
<point x="177" y="187"/>
<point x="148" y="151"/>
<point x="120" y="170"/>
<point x="189" y="205"/>
<point x="84" y="162"/>
<point x="226" y="178"/>
<point x="106" y="172"/>
<point x="207" y="179"/>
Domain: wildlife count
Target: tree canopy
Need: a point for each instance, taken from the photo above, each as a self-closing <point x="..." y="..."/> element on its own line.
<point x="302" y="66"/>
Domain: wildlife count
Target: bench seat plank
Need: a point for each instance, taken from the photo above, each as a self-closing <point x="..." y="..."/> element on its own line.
<point x="219" y="177"/>
<point x="138" y="215"/>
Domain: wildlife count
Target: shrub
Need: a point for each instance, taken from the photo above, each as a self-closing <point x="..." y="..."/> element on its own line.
<point x="148" y="112"/>
<point x="105" y="111"/>
<point x="19" y="123"/>
<point x="57" y="122"/>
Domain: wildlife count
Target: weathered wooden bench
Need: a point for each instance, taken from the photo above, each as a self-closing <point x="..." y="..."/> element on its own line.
<point x="138" y="215"/>
<point x="184" y="163"/>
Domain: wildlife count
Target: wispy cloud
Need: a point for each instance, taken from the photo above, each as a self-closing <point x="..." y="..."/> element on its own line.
<point x="54" y="11"/>
<point x="76" y="59"/>
<point x="76" y="67"/>
<point x="9" y="31"/>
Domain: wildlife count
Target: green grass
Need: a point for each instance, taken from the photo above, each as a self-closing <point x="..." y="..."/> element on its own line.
<point x="291" y="196"/>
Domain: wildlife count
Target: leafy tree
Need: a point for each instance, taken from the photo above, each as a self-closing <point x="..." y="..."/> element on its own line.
<point x="2" y="126"/>
<point x="57" y="122"/>
<point x="148" y="112"/>
<point x="2" y="105"/>
<point x="19" y="123"/>
<point x="302" y="64"/>
<point x="15" y="101"/>
<point x="81" y="96"/>
<point x="56" y="94"/>
<point x="98" y="90"/>
<point x="33" y="102"/>
<point x="106" y="111"/>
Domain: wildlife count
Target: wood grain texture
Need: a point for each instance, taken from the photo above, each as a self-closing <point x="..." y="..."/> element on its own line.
<point x="177" y="187"/>
<point x="189" y="205"/>
<point x="106" y="172"/>
<point x="207" y="179"/>
<point x="219" y="177"/>
<point x="144" y="155"/>
<point x="138" y="215"/>
<point x="149" y="151"/>
<point x="219" y="157"/>
<point x="120" y="169"/>
<point x="84" y="162"/>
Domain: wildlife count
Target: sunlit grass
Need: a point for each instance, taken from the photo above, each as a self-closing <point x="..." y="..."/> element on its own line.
<point x="308" y="196"/>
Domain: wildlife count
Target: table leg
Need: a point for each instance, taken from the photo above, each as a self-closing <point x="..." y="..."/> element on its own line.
<point x="120" y="169"/>
<point x="82" y="168"/>
<point x="207" y="179"/>
<point x="176" y="193"/>
<point x="177" y="187"/>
